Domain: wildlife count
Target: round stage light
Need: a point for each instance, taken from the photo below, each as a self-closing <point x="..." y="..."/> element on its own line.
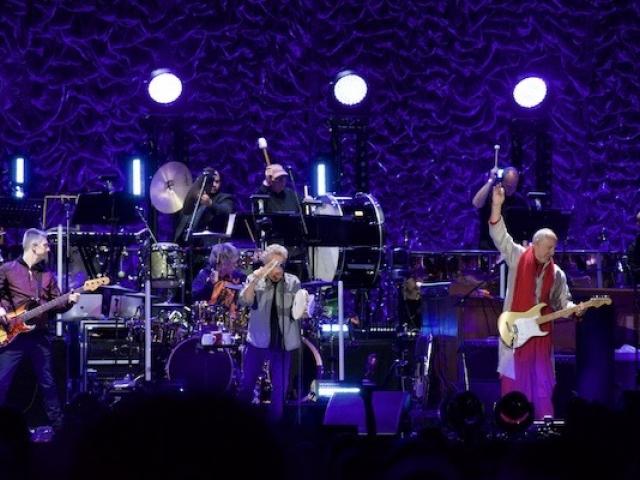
<point x="349" y="88"/>
<point x="514" y="412"/>
<point x="530" y="92"/>
<point x="464" y="413"/>
<point x="165" y="87"/>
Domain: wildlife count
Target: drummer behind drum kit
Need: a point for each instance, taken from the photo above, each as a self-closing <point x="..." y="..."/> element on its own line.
<point x="201" y="345"/>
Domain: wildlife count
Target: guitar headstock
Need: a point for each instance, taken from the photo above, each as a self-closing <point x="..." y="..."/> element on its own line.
<point x="598" y="301"/>
<point x="95" y="283"/>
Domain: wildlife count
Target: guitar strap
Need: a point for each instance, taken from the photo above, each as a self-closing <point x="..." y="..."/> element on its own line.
<point x="38" y="276"/>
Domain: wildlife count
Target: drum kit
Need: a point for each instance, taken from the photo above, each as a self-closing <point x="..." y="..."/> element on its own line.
<point x="203" y="343"/>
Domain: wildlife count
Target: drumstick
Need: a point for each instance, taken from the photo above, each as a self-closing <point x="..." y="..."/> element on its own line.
<point x="253" y="239"/>
<point x="262" y="145"/>
<point x="270" y="266"/>
<point x="497" y="150"/>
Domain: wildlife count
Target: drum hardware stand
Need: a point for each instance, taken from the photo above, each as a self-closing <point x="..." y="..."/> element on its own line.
<point x="262" y="225"/>
<point x="422" y="369"/>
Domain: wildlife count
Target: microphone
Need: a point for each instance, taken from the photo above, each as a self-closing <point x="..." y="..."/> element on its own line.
<point x="262" y="145"/>
<point x="495" y="158"/>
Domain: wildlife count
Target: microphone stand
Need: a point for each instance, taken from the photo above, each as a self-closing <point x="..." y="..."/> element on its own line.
<point x="196" y="207"/>
<point x="144" y="221"/>
<point x="305" y="231"/>
<point x="303" y="222"/>
<point x="481" y="284"/>
<point x="461" y="302"/>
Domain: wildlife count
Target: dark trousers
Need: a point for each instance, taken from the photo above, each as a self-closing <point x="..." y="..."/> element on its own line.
<point x="36" y="347"/>
<point x="280" y="364"/>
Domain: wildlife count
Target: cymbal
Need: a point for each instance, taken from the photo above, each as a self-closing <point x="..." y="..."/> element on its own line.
<point x="169" y="187"/>
<point x="140" y="295"/>
<point x="168" y="305"/>
<point x="316" y="284"/>
<point x="117" y="288"/>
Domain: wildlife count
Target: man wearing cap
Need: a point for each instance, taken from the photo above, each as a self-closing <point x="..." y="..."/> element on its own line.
<point x="513" y="200"/>
<point x="281" y="198"/>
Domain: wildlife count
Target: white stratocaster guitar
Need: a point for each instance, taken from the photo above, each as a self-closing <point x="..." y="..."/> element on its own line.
<point x="516" y="328"/>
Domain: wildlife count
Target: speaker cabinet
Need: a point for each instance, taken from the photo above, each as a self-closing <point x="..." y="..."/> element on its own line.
<point x="348" y="409"/>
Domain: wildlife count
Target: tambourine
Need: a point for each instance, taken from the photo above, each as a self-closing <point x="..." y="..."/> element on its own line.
<point x="303" y="305"/>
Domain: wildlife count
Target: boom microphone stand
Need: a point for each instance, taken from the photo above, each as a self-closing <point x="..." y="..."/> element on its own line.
<point x="196" y="207"/>
<point x="303" y="222"/>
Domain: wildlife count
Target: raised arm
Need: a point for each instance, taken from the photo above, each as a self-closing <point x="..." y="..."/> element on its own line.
<point x="480" y="198"/>
<point x="498" y="230"/>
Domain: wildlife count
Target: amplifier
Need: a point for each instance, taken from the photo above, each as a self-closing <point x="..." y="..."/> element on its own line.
<point x="107" y="351"/>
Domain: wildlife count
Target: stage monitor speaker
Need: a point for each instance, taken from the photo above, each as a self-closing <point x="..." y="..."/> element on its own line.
<point x="595" y="357"/>
<point x="347" y="409"/>
<point x="356" y="360"/>
<point x="478" y="360"/>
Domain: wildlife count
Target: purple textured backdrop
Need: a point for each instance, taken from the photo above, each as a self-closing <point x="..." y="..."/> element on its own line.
<point x="73" y="97"/>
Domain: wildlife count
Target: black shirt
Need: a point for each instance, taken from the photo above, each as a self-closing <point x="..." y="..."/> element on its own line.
<point x="223" y="204"/>
<point x="285" y="201"/>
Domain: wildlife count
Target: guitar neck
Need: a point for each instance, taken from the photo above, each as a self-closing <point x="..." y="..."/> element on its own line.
<point x="45" y="307"/>
<point x="549" y="317"/>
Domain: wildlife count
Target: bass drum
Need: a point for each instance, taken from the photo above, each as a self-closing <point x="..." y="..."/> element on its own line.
<point x="201" y="368"/>
<point x="359" y="260"/>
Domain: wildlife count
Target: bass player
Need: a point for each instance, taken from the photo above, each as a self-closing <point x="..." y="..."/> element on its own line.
<point x="21" y="281"/>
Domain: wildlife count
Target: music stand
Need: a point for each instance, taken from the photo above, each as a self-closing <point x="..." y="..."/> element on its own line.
<point x="104" y="208"/>
<point x="16" y="212"/>
<point x="113" y="209"/>
<point x="285" y="227"/>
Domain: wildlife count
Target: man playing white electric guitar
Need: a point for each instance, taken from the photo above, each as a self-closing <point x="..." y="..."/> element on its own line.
<point x="533" y="278"/>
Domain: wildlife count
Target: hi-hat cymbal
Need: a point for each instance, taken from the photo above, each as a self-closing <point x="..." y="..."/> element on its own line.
<point x="168" y="305"/>
<point x="140" y="295"/>
<point x="169" y="187"/>
<point x="316" y="284"/>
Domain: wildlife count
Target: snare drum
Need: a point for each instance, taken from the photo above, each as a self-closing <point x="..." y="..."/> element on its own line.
<point x="357" y="265"/>
<point x="201" y="368"/>
<point x="167" y="265"/>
